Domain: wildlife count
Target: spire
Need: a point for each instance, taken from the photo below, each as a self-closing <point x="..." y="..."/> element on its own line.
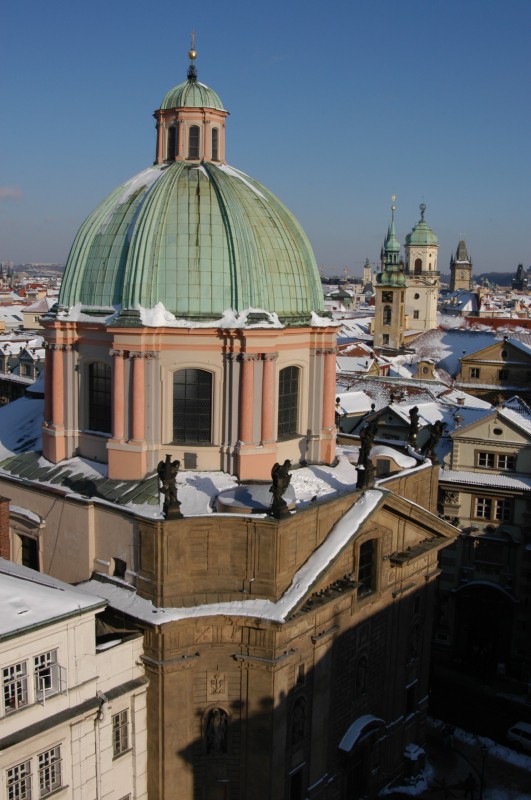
<point x="391" y="244"/>
<point x="192" y="55"/>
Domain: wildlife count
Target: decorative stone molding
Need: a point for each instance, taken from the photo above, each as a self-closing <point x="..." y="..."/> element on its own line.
<point x="327" y="351"/>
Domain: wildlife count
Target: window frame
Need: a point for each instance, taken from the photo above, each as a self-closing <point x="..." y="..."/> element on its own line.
<point x="366" y="567"/>
<point x="18" y="781"/>
<point x="194" y="145"/>
<point x="120" y="733"/>
<point x="288" y="402"/>
<point x="475" y="372"/>
<point x="19" y="683"/>
<point x="495" y="509"/>
<point x="185" y="407"/>
<point x="99" y="400"/>
<point x="50" y="772"/>
<point x="215" y="144"/>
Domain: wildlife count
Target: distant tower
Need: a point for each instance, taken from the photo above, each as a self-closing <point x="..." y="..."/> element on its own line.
<point x="422" y="275"/>
<point x="390" y="313"/>
<point x="520" y="280"/>
<point x="460" y="269"/>
<point x="367" y="276"/>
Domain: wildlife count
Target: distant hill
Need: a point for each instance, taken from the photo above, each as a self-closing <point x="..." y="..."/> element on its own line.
<point x="496" y="278"/>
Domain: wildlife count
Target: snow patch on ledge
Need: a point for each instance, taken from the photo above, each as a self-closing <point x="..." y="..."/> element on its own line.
<point x="160" y="317"/>
<point x="323" y="322"/>
<point x="127" y="600"/>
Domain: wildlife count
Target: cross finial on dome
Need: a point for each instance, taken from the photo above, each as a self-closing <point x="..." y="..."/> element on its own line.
<point x="422" y="210"/>
<point x="192" y="55"/>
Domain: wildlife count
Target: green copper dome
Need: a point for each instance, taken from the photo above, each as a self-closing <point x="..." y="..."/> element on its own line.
<point x="422" y="234"/>
<point x="192" y="94"/>
<point x="199" y="238"/>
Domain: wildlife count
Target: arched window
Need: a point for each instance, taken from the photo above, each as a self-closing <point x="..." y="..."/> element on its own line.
<point x="215" y="144"/>
<point x="172" y="142"/>
<point x="99" y="397"/>
<point x="418" y="265"/>
<point x="193" y="141"/>
<point x="387" y="314"/>
<point x="192" y="406"/>
<point x="288" y="402"/>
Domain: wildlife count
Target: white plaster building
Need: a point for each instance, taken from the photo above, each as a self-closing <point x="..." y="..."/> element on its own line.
<point x="72" y="706"/>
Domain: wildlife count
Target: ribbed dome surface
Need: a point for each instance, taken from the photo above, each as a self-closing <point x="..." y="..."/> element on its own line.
<point x="421" y="234"/>
<point x="192" y="94"/>
<point x="201" y="239"/>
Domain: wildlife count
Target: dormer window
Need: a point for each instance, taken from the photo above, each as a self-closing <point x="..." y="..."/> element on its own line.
<point x="215" y="144"/>
<point x="193" y="141"/>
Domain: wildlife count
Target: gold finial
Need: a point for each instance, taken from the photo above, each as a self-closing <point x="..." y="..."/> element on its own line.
<point x="393" y="198"/>
<point x="192" y="53"/>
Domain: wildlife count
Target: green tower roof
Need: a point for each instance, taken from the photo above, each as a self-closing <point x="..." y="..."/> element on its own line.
<point x="192" y="94"/>
<point x="201" y="239"/>
<point x="421" y="234"/>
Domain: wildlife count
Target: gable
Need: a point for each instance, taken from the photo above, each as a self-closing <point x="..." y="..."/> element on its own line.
<point x="494" y="353"/>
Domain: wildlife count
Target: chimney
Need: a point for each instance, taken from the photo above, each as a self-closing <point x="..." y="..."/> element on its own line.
<point x="5" y="548"/>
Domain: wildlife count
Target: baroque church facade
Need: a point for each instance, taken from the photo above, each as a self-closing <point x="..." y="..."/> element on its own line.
<point x="286" y="657"/>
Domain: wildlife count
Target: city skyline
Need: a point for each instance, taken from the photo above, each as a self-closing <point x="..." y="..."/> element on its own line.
<point x="335" y="110"/>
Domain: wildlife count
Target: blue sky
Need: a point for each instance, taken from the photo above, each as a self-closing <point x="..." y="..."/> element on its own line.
<point x="334" y="106"/>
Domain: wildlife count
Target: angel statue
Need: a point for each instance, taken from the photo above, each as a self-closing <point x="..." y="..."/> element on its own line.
<point x="167" y="472"/>
<point x="281" y="479"/>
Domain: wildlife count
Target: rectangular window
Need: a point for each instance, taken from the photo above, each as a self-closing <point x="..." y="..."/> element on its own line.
<point x="498" y="509"/>
<point x="506" y="462"/>
<point x="416" y="314"/>
<point x="503" y="374"/>
<point x="120" y="733"/>
<point x="15" y="686"/>
<point x="50" y="771"/>
<point x="486" y="460"/>
<point x="366" y="568"/>
<point x="19" y="782"/>
<point x="502" y="509"/>
<point x="99" y="399"/>
<point x="46" y="674"/>
<point x="288" y="402"/>
<point x="475" y="372"/>
<point x="483" y="507"/>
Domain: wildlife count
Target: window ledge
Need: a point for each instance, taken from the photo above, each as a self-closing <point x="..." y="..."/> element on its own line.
<point x="123" y="753"/>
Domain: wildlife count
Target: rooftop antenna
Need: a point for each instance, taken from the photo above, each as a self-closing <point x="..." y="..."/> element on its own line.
<point x="192" y="55"/>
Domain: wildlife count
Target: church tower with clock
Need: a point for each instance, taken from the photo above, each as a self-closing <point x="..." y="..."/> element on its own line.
<point x="460" y="269"/>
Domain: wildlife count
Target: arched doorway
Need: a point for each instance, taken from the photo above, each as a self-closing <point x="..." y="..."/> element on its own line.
<point x="361" y="746"/>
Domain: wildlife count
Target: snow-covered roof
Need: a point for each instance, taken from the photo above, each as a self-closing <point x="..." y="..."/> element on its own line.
<point x="494" y="480"/>
<point x="29" y="598"/>
<point x="128" y="602"/>
<point x="354" y="402"/>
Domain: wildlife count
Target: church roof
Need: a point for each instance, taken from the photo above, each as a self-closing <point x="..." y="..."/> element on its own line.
<point x="422" y="234"/>
<point x="199" y="237"/>
<point x="192" y="94"/>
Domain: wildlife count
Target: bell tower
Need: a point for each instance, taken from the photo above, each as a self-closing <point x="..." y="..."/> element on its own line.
<point x="423" y="277"/>
<point x="460" y="269"/>
<point x="390" y="287"/>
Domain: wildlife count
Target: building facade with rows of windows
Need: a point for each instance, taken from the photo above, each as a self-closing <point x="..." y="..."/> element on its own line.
<point x="485" y="587"/>
<point x="72" y="705"/>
